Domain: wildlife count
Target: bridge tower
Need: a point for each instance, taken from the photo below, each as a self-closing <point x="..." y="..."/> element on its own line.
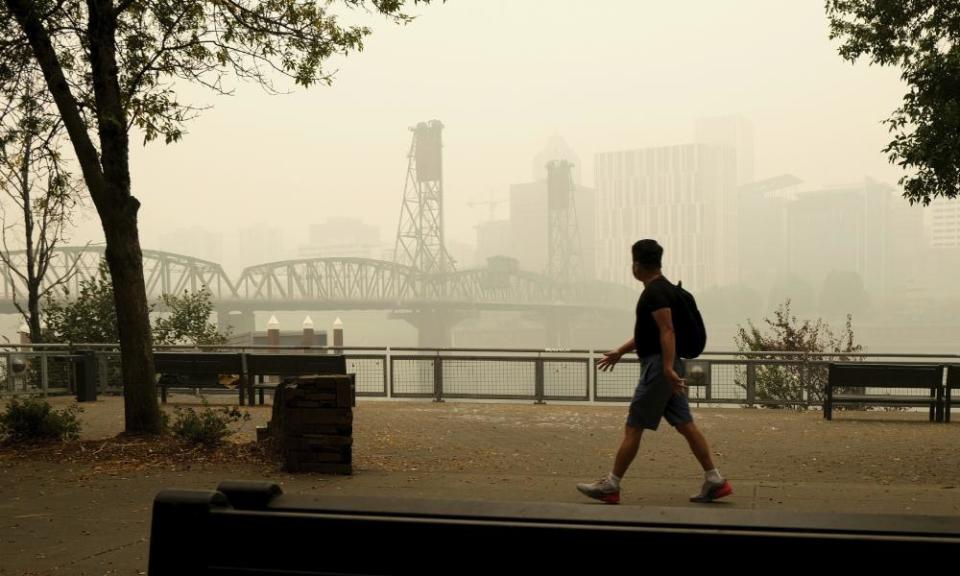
<point x="563" y="246"/>
<point x="420" y="232"/>
<point x="563" y="234"/>
<point x="420" y="235"/>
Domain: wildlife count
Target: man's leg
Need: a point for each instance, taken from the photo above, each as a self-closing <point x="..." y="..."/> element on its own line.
<point x="628" y="450"/>
<point x="607" y="489"/>
<point x="714" y="485"/>
<point x="698" y="444"/>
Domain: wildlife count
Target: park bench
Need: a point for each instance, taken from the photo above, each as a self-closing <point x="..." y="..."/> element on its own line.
<point x="917" y="385"/>
<point x="953" y="384"/>
<point x="197" y="370"/>
<point x="288" y="366"/>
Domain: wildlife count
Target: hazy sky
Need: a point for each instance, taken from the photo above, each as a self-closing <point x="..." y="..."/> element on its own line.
<point x="503" y="76"/>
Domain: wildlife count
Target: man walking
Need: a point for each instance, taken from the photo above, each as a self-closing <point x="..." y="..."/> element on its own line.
<point x="661" y="391"/>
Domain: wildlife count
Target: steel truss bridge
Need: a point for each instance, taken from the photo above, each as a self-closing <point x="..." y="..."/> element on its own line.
<point x="331" y="284"/>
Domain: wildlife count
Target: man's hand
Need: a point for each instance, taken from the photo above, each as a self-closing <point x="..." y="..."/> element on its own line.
<point x="679" y="384"/>
<point x="609" y="360"/>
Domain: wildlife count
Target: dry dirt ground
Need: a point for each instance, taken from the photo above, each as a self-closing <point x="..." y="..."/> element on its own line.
<point x="84" y="507"/>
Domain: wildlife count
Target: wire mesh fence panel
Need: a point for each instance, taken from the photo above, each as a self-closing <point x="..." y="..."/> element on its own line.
<point x="617" y="385"/>
<point x="412" y="376"/>
<point x="371" y="375"/>
<point x="110" y="372"/>
<point x="35" y="373"/>
<point x="697" y="377"/>
<point x="489" y="377"/>
<point x="566" y="379"/>
<point x="13" y="377"/>
<point x="728" y="382"/>
<point x="60" y="373"/>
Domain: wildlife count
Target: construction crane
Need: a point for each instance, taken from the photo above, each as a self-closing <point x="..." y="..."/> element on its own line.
<point x="491" y="203"/>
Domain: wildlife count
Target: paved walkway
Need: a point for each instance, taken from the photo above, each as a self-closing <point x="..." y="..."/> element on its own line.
<point x="72" y="513"/>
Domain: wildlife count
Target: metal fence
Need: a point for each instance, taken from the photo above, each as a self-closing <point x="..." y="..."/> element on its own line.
<point x="757" y="378"/>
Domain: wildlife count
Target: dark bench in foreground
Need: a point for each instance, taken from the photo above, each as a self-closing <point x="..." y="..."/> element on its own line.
<point x="919" y="385"/>
<point x="252" y="528"/>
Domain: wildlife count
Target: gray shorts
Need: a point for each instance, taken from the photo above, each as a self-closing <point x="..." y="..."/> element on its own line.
<point x="654" y="397"/>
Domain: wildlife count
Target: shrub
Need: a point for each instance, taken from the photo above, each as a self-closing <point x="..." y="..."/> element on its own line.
<point x="35" y="419"/>
<point x="209" y="426"/>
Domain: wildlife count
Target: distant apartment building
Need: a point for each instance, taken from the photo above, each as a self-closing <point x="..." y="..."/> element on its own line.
<point x="528" y="232"/>
<point x="943" y="223"/>
<point x="493" y="239"/>
<point x="682" y="196"/>
<point x="343" y="238"/>
<point x="196" y="242"/>
<point x="865" y="228"/>
<point x="735" y="132"/>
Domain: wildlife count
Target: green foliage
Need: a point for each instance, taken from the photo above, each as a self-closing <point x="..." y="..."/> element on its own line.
<point x="793" y="385"/>
<point x="921" y="38"/>
<point x="35" y="419"/>
<point x="89" y="318"/>
<point x="92" y="316"/>
<point x="188" y="321"/>
<point x="208" y="427"/>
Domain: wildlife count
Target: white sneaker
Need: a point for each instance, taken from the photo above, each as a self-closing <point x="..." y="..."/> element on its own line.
<point x="711" y="491"/>
<point x="602" y="490"/>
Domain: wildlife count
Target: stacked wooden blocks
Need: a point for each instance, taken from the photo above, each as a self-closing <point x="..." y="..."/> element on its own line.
<point x="313" y="423"/>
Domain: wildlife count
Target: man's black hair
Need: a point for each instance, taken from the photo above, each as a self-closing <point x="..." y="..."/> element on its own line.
<point x="647" y="253"/>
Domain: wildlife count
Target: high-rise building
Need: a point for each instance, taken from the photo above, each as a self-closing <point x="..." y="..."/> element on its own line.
<point x="335" y="231"/>
<point x="254" y="245"/>
<point x="762" y="226"/>
<point x="342" y="238"/>
<point x="529" y="225"/>
<point x="735" y="132"/>
<point x="555" y="149"/>
<point x="682" y="196"/>
<point x="195" y="242"/>
<point x="865" y="228"/>
<point x="943" y="223"/>
<point x="493" y="239"/>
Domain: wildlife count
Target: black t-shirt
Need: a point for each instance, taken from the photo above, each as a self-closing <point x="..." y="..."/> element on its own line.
<point x="656" y="295"/>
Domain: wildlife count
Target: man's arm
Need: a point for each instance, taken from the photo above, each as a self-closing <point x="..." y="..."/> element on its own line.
<point x="668" y="348"/>
<point x="611" y="358"/>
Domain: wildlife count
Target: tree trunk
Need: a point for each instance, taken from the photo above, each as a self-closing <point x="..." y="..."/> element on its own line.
<point x="118" y="215"/>
<point x="33" y="283"/>
<point x="141" y="410"/>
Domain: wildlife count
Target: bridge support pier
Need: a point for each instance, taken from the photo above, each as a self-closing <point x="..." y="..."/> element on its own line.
<point x="434" y="327"/>
<point x="237" y="321"/>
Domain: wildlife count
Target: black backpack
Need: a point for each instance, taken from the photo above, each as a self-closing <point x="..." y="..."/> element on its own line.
<point x="688" y="325"/>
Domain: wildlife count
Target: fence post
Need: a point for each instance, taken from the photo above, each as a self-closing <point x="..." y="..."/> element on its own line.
<point x="708" y="380"/>
<point x="387" y="374"/>
<point x="538" y="380"/>
<point x="245" y="385"/>
<point x="751" y="384"/>
<point x="10" y="382"/>
<point x="44" y="375"/>
<point x="438" y="378"/>
<point x="591" y="377"/>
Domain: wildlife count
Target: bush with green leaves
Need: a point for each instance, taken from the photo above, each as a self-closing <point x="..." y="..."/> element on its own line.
<point x="91" y="317"/>
<point x="209" y="426"/>
<point x="801" y="385"/>
<point x="35" y="419"/>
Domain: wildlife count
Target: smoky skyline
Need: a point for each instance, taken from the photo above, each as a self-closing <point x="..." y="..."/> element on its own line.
<point x="505" y="78"/>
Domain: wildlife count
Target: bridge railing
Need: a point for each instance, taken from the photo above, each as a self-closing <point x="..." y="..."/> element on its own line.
<point x="536" y="375"/>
